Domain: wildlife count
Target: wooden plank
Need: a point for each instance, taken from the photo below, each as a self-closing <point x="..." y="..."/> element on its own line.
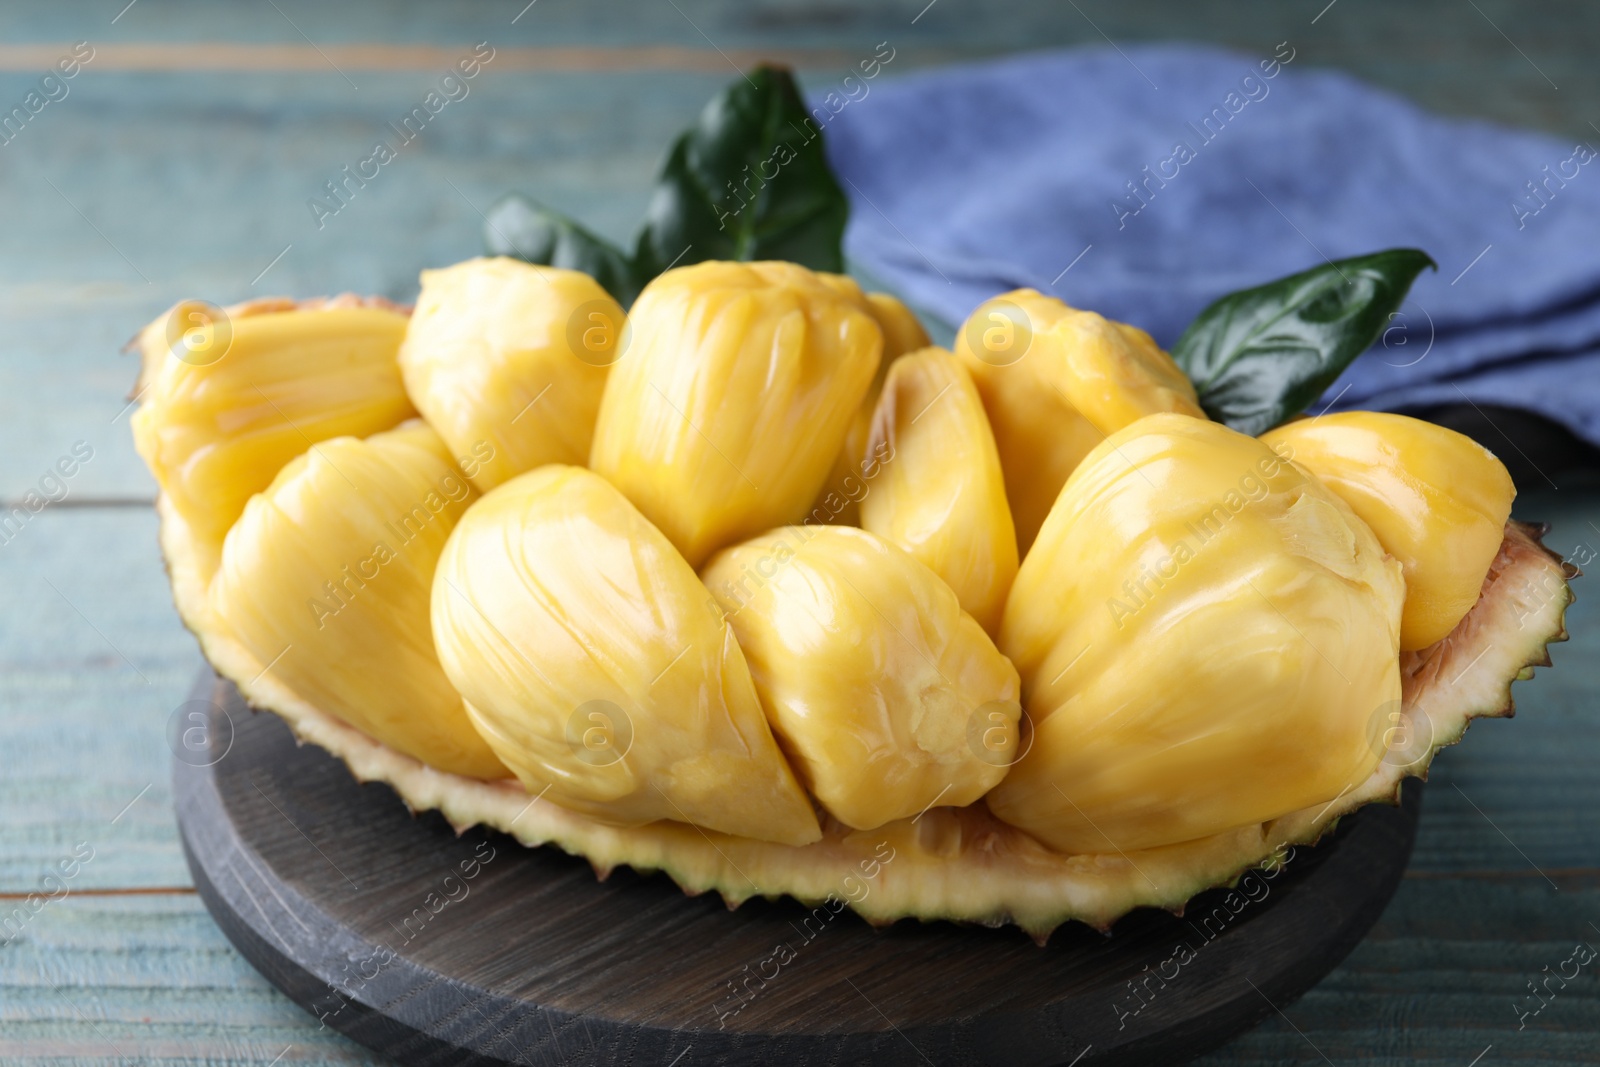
<point x="1436" y="980"/>
<point x="1434" y="983"/>
<point x="1498" y="63"/>
<point x="85" y="700"/>
<point x="151" y="981"/>
<point x="354" y="58"/>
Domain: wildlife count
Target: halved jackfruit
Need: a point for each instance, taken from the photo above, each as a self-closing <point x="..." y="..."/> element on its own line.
<point x="957" y="863"/>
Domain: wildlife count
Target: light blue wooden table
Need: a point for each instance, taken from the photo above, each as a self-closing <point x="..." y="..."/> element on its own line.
<point x="179" y="164"/>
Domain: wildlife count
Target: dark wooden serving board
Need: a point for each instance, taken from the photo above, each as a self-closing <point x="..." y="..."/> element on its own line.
<point x="438" y="949"/>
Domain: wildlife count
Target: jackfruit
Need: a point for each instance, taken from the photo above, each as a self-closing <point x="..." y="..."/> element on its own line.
<point x="1055" y="382"/>
<point x="839" y="502"/>
<point x="327" y="577"/>
<point x="888" y="697"/>
<point x="724" y="416"/>
<point x="1437" y="500"/>
<point x="507" y="360"/>
<point x="1207" y="637"/>
<point x="941" y="495"/>
<point x="595" y="665"/>
<point x="1240" y="685"/>
<point x="231" y="395"/>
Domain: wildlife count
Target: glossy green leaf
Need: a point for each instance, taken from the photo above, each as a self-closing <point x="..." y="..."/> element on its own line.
<point x="748" y="181"/>
<point x="517" y="226"/>
<point x="1261" y="356"/>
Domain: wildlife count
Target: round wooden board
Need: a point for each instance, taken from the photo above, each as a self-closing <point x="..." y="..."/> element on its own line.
<point x="438" y="949"/>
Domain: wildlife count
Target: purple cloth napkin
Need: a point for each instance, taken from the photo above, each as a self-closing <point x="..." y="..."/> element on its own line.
<point x="1146" y="183"/>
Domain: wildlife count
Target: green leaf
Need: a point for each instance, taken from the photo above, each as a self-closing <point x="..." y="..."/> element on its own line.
<point x="1262" y="355"/>
<point x="748" y="181"/>
<point x="517" y="226"/>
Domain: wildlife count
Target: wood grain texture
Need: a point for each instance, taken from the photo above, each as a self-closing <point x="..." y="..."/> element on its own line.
<point x="334" y="58"/>
<point x="434" y="947"/>
<point x="200" y="179"/>
<point x="1454" y="57"/>
<point x="93" y="662"/>
<point x="100" y="981"/>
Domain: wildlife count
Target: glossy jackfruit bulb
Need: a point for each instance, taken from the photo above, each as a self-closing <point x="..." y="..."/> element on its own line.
<point x="231" y="395"/>
<point x="725" y="414"/>
<point x="839" y="502"/>
<point x="327" y="580"/>
<point x="1055" y="381"/>
<point x="886" y="695"/>
<point x="1437" y="500"/>
<point x="941" y="495"/>
<point x="507" y="360"/>
<point x="597" y="667"/>
<point x="902" y="332"/>
<point x="1208" y="638"/>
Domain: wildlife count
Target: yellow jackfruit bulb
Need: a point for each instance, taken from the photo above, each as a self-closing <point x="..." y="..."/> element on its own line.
<point x="327" y="580"/>
<point x="233" y="394"/>
<point x="1437" y="500"/>
<point x="1208" y="638"/>
<point x="191" y="330"/>
<point x="902" y="332"/>
<point x="888" y="697"/>
<point x="596" y="665"/>
<point x="1055" y="381"/>
<point x="839" y="502"/>
<point x="508" y="360"/>
<point x="940" y="494"/>
<point x="725" y="414"/>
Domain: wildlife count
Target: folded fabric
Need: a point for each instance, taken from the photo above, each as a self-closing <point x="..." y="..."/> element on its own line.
<point x="1145" y="183"/>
